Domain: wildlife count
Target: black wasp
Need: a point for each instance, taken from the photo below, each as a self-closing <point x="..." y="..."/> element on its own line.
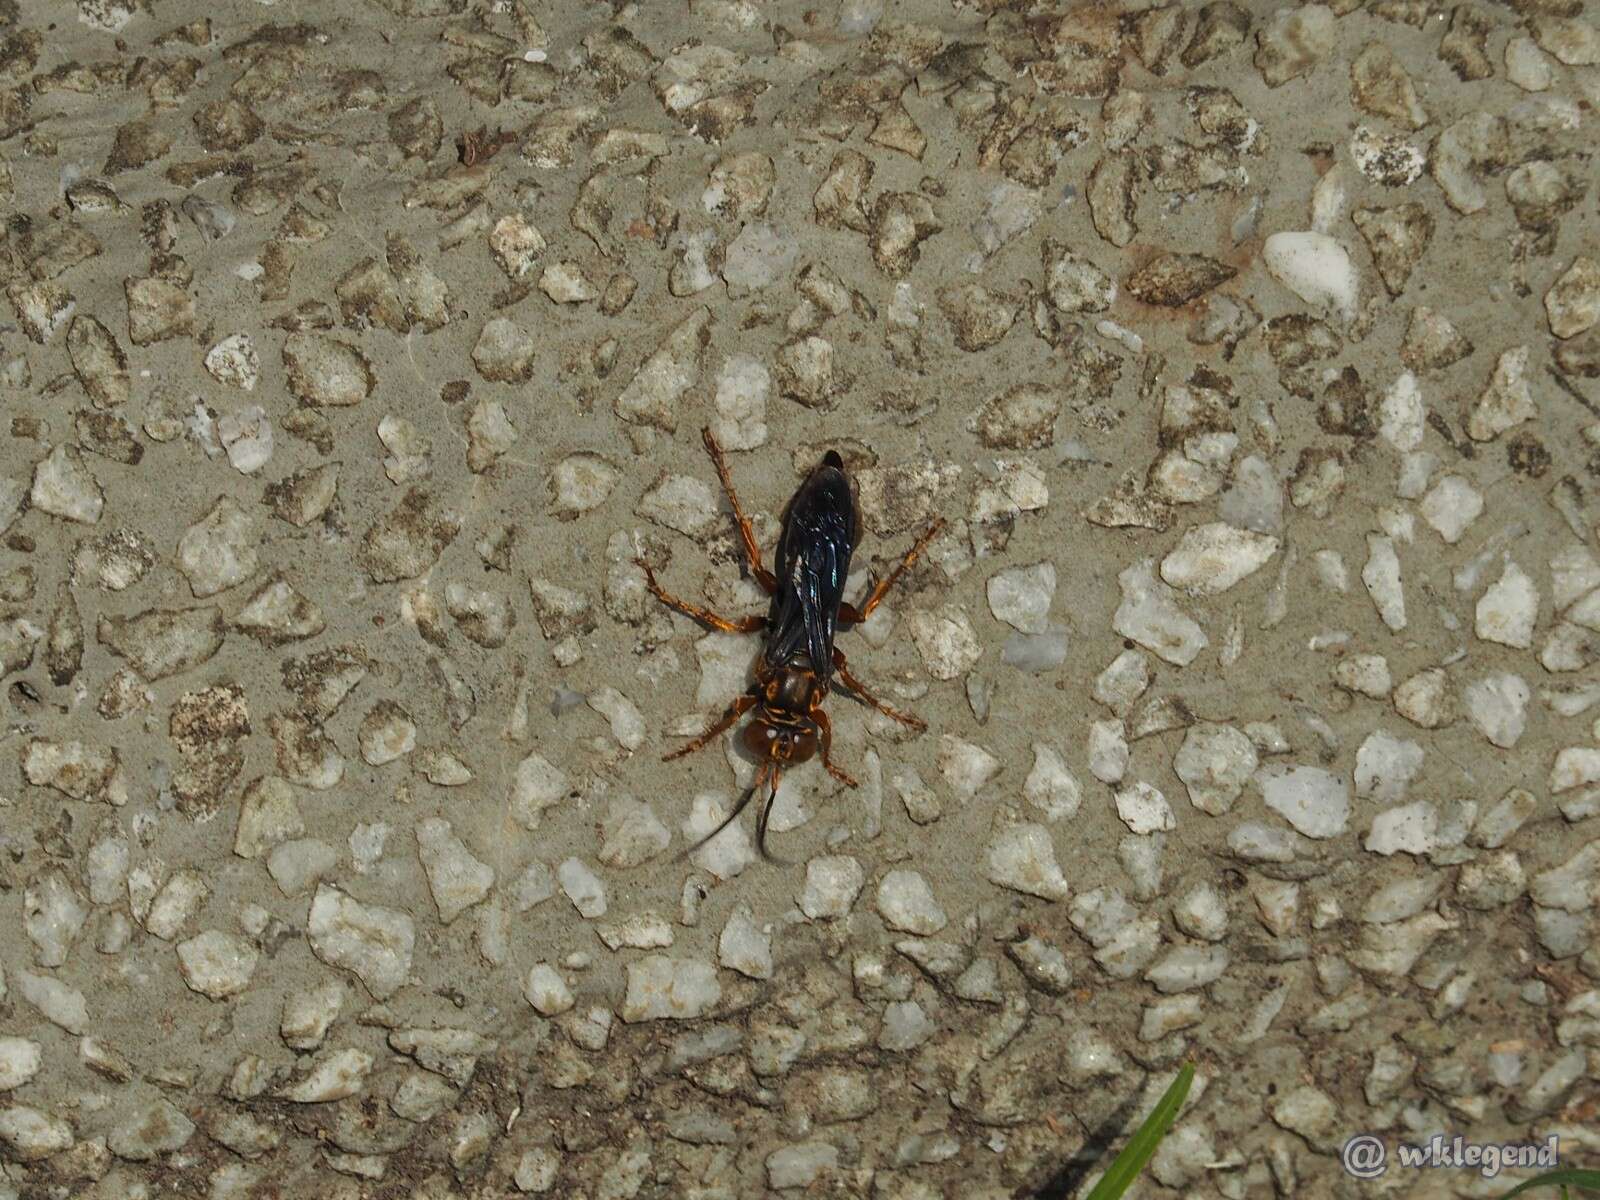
<point x="821" y="530"/>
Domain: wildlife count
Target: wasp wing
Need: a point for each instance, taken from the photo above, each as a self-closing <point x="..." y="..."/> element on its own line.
<point x="813" y="560"/>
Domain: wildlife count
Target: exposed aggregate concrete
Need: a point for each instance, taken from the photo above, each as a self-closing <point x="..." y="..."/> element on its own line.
<point x="354" y="355"/>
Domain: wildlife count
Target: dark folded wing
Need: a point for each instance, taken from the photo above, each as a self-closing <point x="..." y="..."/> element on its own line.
<point x="813" y="562"/>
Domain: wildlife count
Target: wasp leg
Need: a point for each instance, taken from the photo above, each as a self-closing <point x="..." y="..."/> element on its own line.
<point x="850" y="615"/>
<point x="825" y="732"/>
<point x="704" y="615"/>
<point x="736" y="710"/>
<point x="764" y="577"/>
<point x="856" y="686"/>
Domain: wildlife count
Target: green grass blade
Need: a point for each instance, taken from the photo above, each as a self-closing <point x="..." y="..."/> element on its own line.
<point x="1589" y="1181"/>
<point x="1125" y="1168"/>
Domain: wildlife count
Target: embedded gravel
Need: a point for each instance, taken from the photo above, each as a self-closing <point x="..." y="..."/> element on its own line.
<point x="354" y="356"/>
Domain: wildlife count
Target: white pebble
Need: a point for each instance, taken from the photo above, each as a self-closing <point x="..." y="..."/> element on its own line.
<point x="1051" y="786"/>
<point x="1574" y="573"/>
<point x="1316" y="268"/>
<point x="52" y="915"/>
<point x="1331" y="571"/>
<point x="1509" y="608"/>
<point x="537" y="785"/>
<point x="217" y="964"/>
<point x="234" y="361"/>
<point x="639" y="931"/>
<point x="1214" y="763"/>
<point x="745" y="946"/>
<point x="1400" y="900"/>
<point x="1385" y="766"/>
<point x="456" y="878"/>
<point x="663" y="988"/>
<point x="57" y="1002"/>
<point x="965" y="766"/>
<point x="32" y="1134"/>
<point x="1210" y="559"/>
<point x="1394" y="949"/>
<point x="1144" y="809"/>
<point x="741" y="402"/>
<point x="247" y="437"/>
<point x="1425" y="699"/>
<point x="832" y="884"/>
<point x="1314" y="801"/>
<point x="1201" y="913"/>
<point x="546" y="990"/>
<point x="1149" y="616"/>
<point x="583" y="887"/>
<point x="905" y="1026"/>
<point x="906" y="903"/>
<point x="309" y="1013"/>
<point x="1574" y="885"/>
<point x="65" y="487"/>
<point x="1021" y="596"/>
<point x="1123" y="682"/>
<point x="535" y="885"/>
<point x="1402" y="416"/>
<point x="335" y="1076"/>
<point x="1023" y="858"/>
<point x="1451" y="506"/>
<point x="1526" y="65"/>
<point x="1382" y="577"/>
<point x="1108" y="751"/>
<point x="1185" y="968"/>
<point x="630" y="833"/>
<point x="179" y="899"/>
<point x="1409" y="829"/>
<point x="627" y="722"/>
<point x="1508" y="399"/>
<point x="581" y="482"/>
<point x="19" y="1062"/>
<point x="1575" y="766"/>
<point x="1497" y="706"/>
<point x="946" y="641"/>
<point x="1366" y="674"/>
<point x="373" y="942"/>
<point x="683" y="503"/>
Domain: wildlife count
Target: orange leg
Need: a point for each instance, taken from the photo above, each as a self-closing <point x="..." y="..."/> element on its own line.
<point x="764" y="577"/>
<point x="825" y="729"/>
<point x="850" y="615"/>
<point x="736" y="710"/>
<point x="856" y="686"/>
<point x="704" y="615"/>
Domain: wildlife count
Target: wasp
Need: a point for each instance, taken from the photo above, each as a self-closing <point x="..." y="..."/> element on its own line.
<point x="821" y="528"/>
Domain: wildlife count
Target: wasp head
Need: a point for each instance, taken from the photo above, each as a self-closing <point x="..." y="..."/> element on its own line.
<point x="783" y="742"/>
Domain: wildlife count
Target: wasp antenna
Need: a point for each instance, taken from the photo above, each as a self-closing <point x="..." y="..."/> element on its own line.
<point x="733" y="814"/>
<point x="766" y="813"/>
